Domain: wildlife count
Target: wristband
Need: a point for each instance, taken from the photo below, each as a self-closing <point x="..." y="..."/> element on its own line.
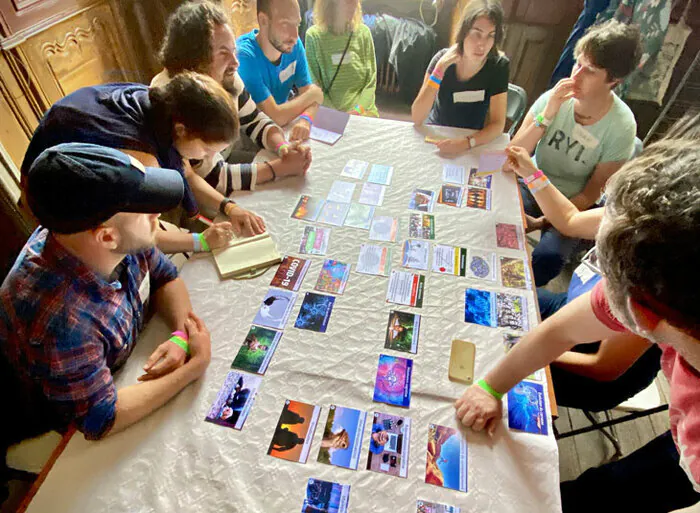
<point x="533" y="177"/>
<point x="180" y="342"/>
<point x="272" y="170"/>
<point x="536" y="182"/>
<point x="485" y="386"/>
<point x="438" y="73"/>
<point x="278" y="148"/>
<point x="541" y="121"/>
<point x="434" y="82"/>
<point x="200" y="243"/>
<point x="541" y="185"/>
<point x="197" y="244"/>
<point x="359" y="109"/>
<point x="224" y="202"/>
<point x="308" y="118"/>
<point x="182" y="335"/>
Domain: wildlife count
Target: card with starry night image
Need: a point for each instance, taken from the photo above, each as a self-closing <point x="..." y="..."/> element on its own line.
<point x="315" y="312"/>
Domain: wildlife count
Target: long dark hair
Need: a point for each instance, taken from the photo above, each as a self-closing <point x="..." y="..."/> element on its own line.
<point x="475" y="9"/>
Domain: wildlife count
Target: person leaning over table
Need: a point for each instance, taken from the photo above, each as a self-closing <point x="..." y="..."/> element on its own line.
<point x="74" y="303"/>
<point x="189" y="118"/>
<point x="648" y="248"/>
<point x="466" y="85"/>
<point x="199" y="38"/>
<point x="340" y="52"/>
<point x="273" y="61"/>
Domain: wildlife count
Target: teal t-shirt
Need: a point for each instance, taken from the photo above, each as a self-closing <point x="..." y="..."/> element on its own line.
<point x="568" y="152"/>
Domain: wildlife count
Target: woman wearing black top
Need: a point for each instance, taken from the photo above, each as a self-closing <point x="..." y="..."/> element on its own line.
<point x="466" y="85"/>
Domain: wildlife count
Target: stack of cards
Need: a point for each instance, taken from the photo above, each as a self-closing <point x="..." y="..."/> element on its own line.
<point x="275" y="308"/>
<point x="406" y="289"/>
<point x="449" y="260"/>
<point x="326" y="497"/>
<point x="422" y="200"/>
<point x="384" y="229"/>
<point x="290" y="273"/>
<point x="314" y="241"/>
<point x="342" y="437"/>
<point x="509" y="236"/>
<point x="495" y="309"/>
<point x="393" y="383"/>
<point x="402" y="332"/>
<point x="388" y="445"/>
<point x="526" y="408"/>
<point x="234" y="400"/>
<point x="315" y="312"/>
<point x="514" y="273"/>
<point x="374" y="260"/>
<point x="294" y="432"/>
<point x="421" y="226"/>
<point x="359" y="216"/>
<point x="333" y="277"/>
<point x="257" y="350"/>
<point x="446" y="463"/>
<point x="307" y="208"/>
<point x="415" y="254"/>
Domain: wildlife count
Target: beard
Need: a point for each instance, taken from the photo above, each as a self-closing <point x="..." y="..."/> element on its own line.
<point x="229" y="84"/>
<point x="280" y="46"/>
<point x="131" y="243"/>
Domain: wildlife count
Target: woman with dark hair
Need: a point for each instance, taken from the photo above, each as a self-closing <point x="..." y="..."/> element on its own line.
<point x="466" y="85"/>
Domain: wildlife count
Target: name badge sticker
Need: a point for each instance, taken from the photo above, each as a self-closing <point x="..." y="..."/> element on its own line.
<point x="288" y="72"/>
<point x="469" y="96"/>
<point x="336" y="57"/>
<point x="583" y="136"/>
<point x="145" y="288"/>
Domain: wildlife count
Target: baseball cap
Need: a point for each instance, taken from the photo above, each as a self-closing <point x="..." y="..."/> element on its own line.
<point x="75" y="187"/>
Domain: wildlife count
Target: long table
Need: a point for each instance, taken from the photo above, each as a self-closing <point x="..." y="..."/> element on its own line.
<point x="174" y="461"/>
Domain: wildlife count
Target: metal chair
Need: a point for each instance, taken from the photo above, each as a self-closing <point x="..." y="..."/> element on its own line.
<point x="516" y="107"/>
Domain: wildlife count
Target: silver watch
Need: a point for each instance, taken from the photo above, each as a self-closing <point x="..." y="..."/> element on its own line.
<point x="472" y="142"/>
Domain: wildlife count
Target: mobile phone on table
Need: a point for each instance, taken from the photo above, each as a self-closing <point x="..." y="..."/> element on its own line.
<point x="462" y="361"/>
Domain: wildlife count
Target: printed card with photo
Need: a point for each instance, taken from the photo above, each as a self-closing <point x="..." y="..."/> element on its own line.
<point x="389" y="444"/>
<point x="422" y="200"/>
<point x="402" y="332"/>
<point x="384" y="229"/>
<point x="393" y="382"/>
<point x="509" y="340"/>
<point x="453" y="174"/>
<point x="421" y="226"/>
<point x="341" y="191"/>
<point x="315" y="240"/>
<point x="449" y="260"/>
<point x="372" y="194"/>
<point x="355" y="169"/>
<point x="514" y="273"/>
<point x="342" y="437"/>
<point x="325" y="497"/>
<point x="511" y="311"/>
<point x="275" y="308"/>
<point x="307" y="208"/>
<point x="446" y="463"/>
<point x="333" y="277"/>
<point x="434" y="507"/>
<point x="492" y="161"/>
<point x="526" y="408"/>
<point x="495" y="309"/>
<point x="509" y="236"/>
<point x="290" y="273"/>
<point x="479" y="198"/>
<point x="415" y="254"/>
<point x="257" y="350"/>
<point x="406" y="289"/>
<point x="479" y="181"/>
<point x="451" y="195"/>
<point x="481" y="264"/>
<point x="315" y="312"/>
<point x="234" y="401"/>
<point x="294" y="433"/>
<point x="374" y="260"/>
<point x="380" y="174"/>
<point x="333" y="213"/>
<point x="359" y="216"/>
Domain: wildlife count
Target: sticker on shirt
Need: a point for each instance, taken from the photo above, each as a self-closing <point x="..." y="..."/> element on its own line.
<point x="145" y="288"/>
<point x="469" y="96"/>
<point x="338" y="58"/>
<point x="583" y="136"/>
<point x="288" y="72"/>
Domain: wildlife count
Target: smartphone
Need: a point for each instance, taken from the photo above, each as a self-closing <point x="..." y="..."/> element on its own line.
<point x="462" y="361"/>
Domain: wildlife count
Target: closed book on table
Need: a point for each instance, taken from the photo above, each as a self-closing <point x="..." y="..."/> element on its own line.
<point x="247" y="256"/>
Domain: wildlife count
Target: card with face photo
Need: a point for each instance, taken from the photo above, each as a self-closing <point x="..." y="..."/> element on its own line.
<point x="372" y="194"/>
<point x="421" y="226"/>
<point x="514" y="273"/>
<point x="290" y="273"/>
<point x="402" y="332"/>
<point x="307" y="208"/>
<point x="275" y="308"/>
<point x="511" y="312"/>
<point x="374" y="260"/>
<point x="257" y="350"/>
<point x="342" y="437"/>
<point x="393" y="382"/>
<point x="389" y="444"/>
<point x="380" y="174"/>
<point x="479" y="181"/>
<point x="333" y="277"/>
<point x="384" y="229"/>
<point x="315" y="312"/>
<point x="355" y="169"/>
<point x="234" y="401"/>
<point x="333" y="213"/>
<point x="479" y="198"/>
<point x="446" y="464"/>
<point x="314" y="241"/>
<point x="325" y="497"/>
<point x="422" y="200"/>
<point x="406" y="289"/>
<point x="341" y="191"/>
<point x="434" y="507"/>
<point x="415" y="254"/>
<point x="509" y="236"/>
<point x="481" y="264"/>
<point x="526" y="408"/>
<point x="449" y="260"/>
<point x="294" y="433"/>
<point x="359" y="216"/>
<point x="451" y="195"/>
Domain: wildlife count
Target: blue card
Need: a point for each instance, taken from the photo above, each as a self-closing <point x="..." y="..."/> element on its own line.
<point x="393" y="383"/>
<point x="315" y="312"/>
<point x="342" y="437"/>
<point x="526" y="408"/>
<point x="446" y="460"/>
<point x="326" y="497"/>
<point x="480" y="307"/>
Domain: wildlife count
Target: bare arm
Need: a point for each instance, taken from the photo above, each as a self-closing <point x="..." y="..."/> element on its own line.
<point x="595" y="185"/>
<point x="528" y="135"/>
<point x="424" y="102"/>
<point x="283" y="114"/>
<point x="172" y="302"/>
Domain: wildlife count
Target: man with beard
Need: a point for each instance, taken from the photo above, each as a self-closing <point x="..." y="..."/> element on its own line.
<point x="273" y="62"/>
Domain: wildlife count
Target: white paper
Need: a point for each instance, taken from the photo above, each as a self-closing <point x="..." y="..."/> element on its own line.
<point x="446" y="259"/>
<point x="372" y="194"/>
<point x="404" y="288"/>
<point x="374" y="260"/>
<point x="380" y="174"/>
<point x="324" y="136"/>
<point x="453" y="174"/>
<point x="355" y="169"/>
<point x="341" y="191"/>
<point x="384" y="228"/>
<point x="415" y="254"/>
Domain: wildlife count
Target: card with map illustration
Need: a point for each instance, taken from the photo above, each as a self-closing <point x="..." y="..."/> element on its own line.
<point x="257" y="350"/>
<point x="333" y="277"/>
<point x="447" y="460"/>
<point x="294" y="433"/>
<point x="389" y="444"/>
<point x="342" y="437"/>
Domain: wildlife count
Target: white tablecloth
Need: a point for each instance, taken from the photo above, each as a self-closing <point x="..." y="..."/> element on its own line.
<point x="174" y="461"/>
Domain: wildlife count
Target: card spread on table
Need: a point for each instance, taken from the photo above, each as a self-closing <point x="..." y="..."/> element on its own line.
<point x="308" y="208"/>
<point x="509" y="236"/>
<point x="481" y="264"/>
<point x="355" y="169"/>
<point x="446" y="464"/>
<point x="334" y="213"/>
<point x="257" y="350"/>
<point x="341" y="191"/>
<point x="449" y="260"/>
<point x="402" y="332"/>
<point x="290" y="273"/>
<point x="451" y="195"/>
<point x="326" y="497"/>
<point x="315" y="312"/>
<point x="526" y="408"/>
<point x="514" y="273"/>
<point x="393" y="383"/>
<point x="372" y="194"/>
<point x="374" y="260"/>
<point x="453" y="174"/>
<point x="384" y="229"/>
<point x="492" y="161"/>
<point x="359" y="216"/>
<point x="406" y="289"/>
<point x="422" y="200"/>
<point x="234" y="401"/>
<point x="275" y="308"/>
<point x="421" y="226"/>
<point x="333" y="277"/>
<point x="380" y="174"/>
<point x="294" y="432"/>
<point x="479" y="198"/>
<point x="415" y="254"/>
<point x="434" y="507"/>
<point x="342" y="437"/>
<point x="495" y="309"/>
<point x="479" y="181"/>
<point x="509" y="340"/>
<point x="389" y="444"/>
<point x="315" y="240"/>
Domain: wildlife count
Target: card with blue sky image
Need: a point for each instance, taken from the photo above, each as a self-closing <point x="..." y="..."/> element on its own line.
<point x="380" y="174"/>
<point x="333" y="277"/>
<point x="315" y="312"/>
<point x="234" y="400"/>
<point x="415" y="254"/>
<point x="447" y="460"/>
<point x="325" y="497"/>
<point x="342" y="437"/>
<point x="275" y="308"/>
<point x="393" y="382"/>
<point x="526" y="408"/>
<point x="257" y="350"/>
<point x="434" y="507"/>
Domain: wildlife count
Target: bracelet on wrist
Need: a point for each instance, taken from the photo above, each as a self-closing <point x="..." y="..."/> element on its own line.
<point x="200" y="243"/>
<point x="541" y="121"/>
<point x="223" y="205"/>
<point x="434" y="82"/>
<point x="180" y="342"/>
<point x="272" y="170"/>
<point x="534" y="176"/>
<point x="539" y="185"/>
<point x="280" y="147"/>
<point x="307" y="117"/>
<point x="486" y="387"/>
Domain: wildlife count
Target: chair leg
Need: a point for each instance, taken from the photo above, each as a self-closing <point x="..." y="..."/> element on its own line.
<point x="610" y="435"/>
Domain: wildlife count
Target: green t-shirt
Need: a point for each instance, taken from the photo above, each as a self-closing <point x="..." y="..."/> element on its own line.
<point x="357" y="78"/>
<point x="569" y="156"/>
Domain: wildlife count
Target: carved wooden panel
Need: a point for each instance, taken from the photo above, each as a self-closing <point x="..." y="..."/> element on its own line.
<point x="243" y="14"/>
<point x="24" y="15"/>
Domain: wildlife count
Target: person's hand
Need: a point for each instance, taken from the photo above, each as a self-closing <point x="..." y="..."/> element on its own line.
<point x="479" y="410"/>
<point x="451" y="56"/>
<point x="519" y="161"/>
<point x="199" y="341"/>
<point x="218" y="235"/>
<point x="452" y="147"/>
<point x="166" y="358"/>
<point x="536" y="223"/>
<point x="561" y="92"/>
<point x="300" y="131"/>
<point x="244" y="222"/>
<point x="295" y="163"/>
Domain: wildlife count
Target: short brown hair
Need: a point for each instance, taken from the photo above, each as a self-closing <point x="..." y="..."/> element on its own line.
<point x="612" y="46"/>
<point x="475" y="9"/>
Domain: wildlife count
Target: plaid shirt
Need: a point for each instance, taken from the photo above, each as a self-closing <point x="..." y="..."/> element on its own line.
<point x="64" y="329"/>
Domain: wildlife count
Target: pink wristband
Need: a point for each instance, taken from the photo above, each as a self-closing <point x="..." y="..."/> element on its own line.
<point x="279" y="145"/>
<point x="181" y="334"/>
<point x="533" y="177"/>
<point x="438" y="73"/>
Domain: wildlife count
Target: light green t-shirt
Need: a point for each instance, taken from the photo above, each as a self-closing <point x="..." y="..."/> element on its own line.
<point x="568" y="156"/>
<point x="357" y="78"/>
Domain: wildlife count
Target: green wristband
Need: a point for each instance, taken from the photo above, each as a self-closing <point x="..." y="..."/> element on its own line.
<point x="181" y="342"/>
<point x="203" y="242"/>
<point x="485" y="386"/>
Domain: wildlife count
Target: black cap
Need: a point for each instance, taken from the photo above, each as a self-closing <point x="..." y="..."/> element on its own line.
<point x="75" y="187"/>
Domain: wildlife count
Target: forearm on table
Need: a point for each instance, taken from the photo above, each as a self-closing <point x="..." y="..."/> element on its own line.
<point x="564" y="215"/>
<point x="171" y="242"/>
<point x="274" y="137"/>
<point x="288" y="111"/>
<point x="490" y="131"/>
<point x="172" y="302"/>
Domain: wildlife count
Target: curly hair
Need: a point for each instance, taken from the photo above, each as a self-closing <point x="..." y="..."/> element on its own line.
<point x="612" y="46"/>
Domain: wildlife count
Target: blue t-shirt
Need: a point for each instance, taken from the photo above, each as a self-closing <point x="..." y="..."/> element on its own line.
<point x="263" y="78"/>
<point x="374" y="447"/>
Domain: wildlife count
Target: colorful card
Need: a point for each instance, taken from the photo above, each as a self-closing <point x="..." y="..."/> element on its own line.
<point x="479" y="181"/>
<point x="449" y="260"/>
<point x="402" y="332"/>
<point x="512" y="312"/>
<point x="325" y="497"/>
<point x="451" y="195"/>
<point x="415" y="254"/>
<point x="509" y="340"/>
<point x="333" y="277"/>
<point x="257" y="350"/>
<point x="422" y="200"/>
<point x="479" y="198"/>
<point x="372" y="194"/>
<point x="307" y="208"/>
<point x="453" y="174"/>
<point x="342" y="437"/>
<point x="275" y="308"/>
<point x="421" y="226"/>
<point x="315" y="312"/>
<point x="514" y="273"/>
<point x="494" y="309"/>
<point x="389" y="444"/>
<point x="509" y="236"/>
<point x="290" y="273"/>
<point x="380" y="174"/>
<point x="294" y="432"/>
<point x="434" y="507"/>
<point x="341" y="191"/>
<point x="446" y="464"/>
<point x="526" y="408"/>
<point x="234" y="400"/>
<point x="492" y="161"/>
<point x="481" y="264"/>
<point x="315" y="240"/>
<point x="406" y="289"/>
<point x="355" y="169"/>
<point x="359" y="216"/>
<point x="374" y="260"/>
<point x="333" y="213"/>
<point x="384" y="229"/>
<point x="393" y="383"/>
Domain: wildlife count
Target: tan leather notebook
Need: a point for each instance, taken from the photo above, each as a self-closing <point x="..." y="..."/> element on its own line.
<point x="247" y="257"/>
